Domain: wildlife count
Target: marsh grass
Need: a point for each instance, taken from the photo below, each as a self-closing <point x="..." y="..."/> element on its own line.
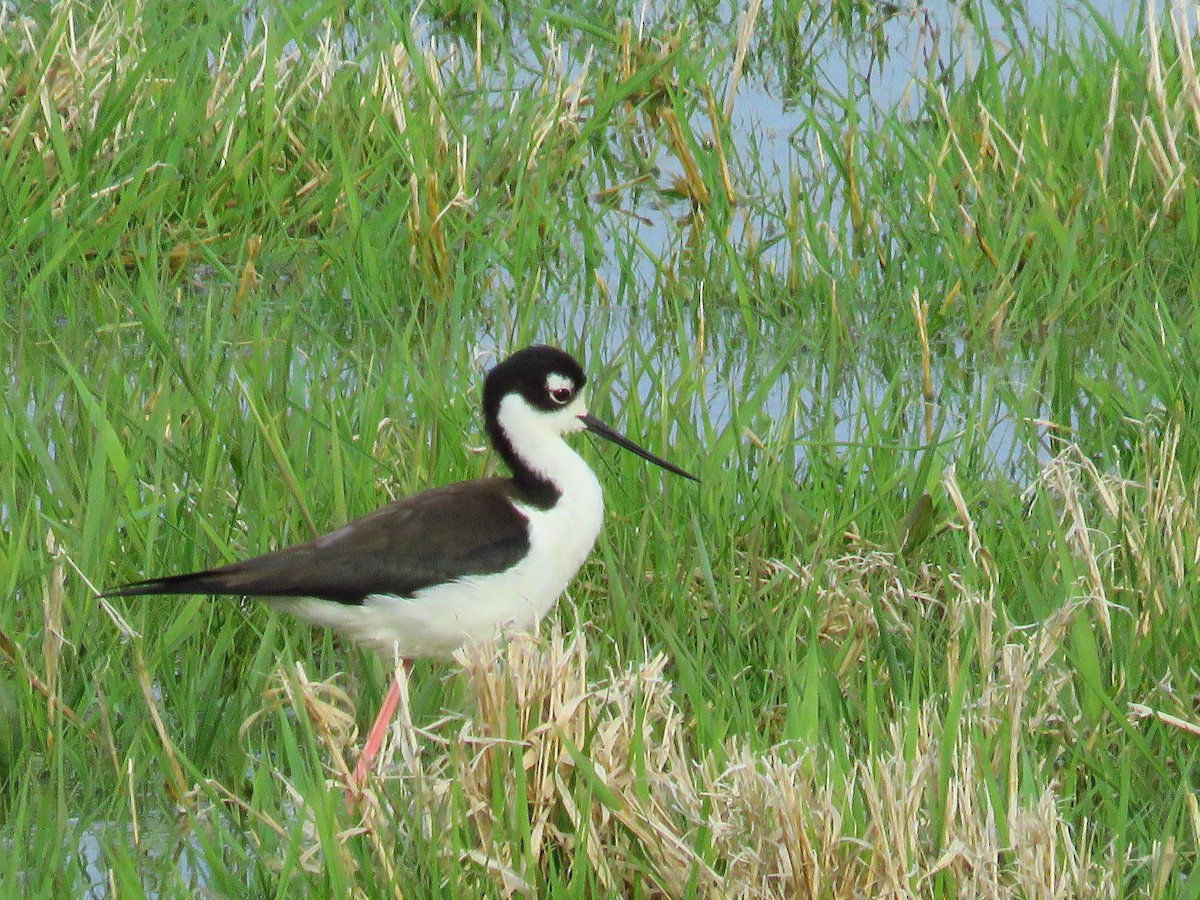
<point x="927" y="628"/>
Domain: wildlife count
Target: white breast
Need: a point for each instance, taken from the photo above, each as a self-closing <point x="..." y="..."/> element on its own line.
<point x="438" y="620"/>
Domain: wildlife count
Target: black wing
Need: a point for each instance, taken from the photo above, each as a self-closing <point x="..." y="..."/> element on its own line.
<point x="436" y="536"/>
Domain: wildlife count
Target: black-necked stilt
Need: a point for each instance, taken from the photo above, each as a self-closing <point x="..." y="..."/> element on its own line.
<point x="455" y="564"/>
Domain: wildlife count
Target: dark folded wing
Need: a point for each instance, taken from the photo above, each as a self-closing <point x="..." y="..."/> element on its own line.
<point x="467" y="528"/>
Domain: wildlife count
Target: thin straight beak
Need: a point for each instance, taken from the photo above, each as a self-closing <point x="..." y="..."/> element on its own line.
<point x="595" y="426"/>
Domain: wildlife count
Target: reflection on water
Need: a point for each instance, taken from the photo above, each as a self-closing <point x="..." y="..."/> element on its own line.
<point x="723" y="353"/>
<point x="159" y="846"/>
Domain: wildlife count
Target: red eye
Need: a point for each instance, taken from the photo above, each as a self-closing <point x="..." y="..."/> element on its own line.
<point x="561" y="395"/>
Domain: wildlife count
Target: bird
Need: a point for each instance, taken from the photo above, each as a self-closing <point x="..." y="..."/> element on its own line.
<point x="451" y="565"/>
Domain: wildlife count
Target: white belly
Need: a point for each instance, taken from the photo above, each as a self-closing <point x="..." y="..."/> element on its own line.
<point x="438" y="620"/>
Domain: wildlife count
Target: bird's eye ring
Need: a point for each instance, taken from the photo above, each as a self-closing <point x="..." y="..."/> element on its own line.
<point x="561" y="395"/>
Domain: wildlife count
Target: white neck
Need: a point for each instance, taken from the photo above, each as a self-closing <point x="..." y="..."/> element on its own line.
<point x="537" y="440"/>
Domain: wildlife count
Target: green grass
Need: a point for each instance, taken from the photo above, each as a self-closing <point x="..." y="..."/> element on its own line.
<point x="255" y="274"/>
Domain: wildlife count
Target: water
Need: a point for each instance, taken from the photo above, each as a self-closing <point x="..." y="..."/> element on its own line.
<point x="893" y="65"/>
<point x="852" y="74"/>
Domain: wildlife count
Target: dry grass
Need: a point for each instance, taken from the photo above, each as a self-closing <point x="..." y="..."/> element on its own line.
<point x="1164" y="127"/>
<point x="994" y="757"/>
<point x="638" y="798"/>
<point x="551" y="762"/>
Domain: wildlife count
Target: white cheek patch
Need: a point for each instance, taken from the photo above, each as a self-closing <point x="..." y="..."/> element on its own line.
<point x="571" y="414"/>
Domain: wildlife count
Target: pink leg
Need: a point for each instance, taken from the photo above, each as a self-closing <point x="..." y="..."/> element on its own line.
<point x="379" y="729"/>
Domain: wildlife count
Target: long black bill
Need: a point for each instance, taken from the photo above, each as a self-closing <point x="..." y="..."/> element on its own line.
<point x="595" y="426"/>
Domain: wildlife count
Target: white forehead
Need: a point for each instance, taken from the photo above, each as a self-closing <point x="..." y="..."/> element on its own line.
<point x="555" y="382"/>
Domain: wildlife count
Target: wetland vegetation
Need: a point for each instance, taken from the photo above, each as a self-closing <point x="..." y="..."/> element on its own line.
<point x="913" y="290"/>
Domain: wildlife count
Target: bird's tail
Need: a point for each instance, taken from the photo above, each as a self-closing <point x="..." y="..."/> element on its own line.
<point x="210" y="581"/>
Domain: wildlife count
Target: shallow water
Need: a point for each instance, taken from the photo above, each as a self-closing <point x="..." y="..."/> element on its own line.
<point x="771" y="112"/>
